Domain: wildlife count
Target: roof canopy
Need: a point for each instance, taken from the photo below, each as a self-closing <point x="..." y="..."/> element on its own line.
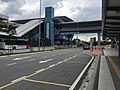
<point x="111" y="18"/>
<point x="59" y="19"/>
<point x="3" y="17"/>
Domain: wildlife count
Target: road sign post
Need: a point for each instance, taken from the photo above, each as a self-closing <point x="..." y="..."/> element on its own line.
<point x="91" y="44"/>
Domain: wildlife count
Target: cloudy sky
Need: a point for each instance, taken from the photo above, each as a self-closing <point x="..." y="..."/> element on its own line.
<point x="78" y="10"/>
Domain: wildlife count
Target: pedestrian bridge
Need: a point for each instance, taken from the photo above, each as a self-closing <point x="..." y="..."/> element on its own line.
<point x="79" y="27"/>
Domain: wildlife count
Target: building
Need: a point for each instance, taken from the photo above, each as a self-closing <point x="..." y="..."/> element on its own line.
<point x="54" y="30"/>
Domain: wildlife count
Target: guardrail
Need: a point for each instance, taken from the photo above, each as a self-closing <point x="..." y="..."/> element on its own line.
<point x="32" y="49"/>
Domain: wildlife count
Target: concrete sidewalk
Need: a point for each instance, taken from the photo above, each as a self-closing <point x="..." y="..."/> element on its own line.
<point x="109" y="72"/>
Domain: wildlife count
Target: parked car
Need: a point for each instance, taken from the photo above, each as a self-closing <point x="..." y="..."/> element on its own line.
<point x="86" y="47"/>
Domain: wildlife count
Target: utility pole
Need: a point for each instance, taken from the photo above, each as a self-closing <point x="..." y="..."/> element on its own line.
<point x="39" y="28"/>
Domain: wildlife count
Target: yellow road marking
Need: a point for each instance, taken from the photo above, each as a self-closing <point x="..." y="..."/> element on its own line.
<point x="7" y="85"/>
<point x="50" y="83"/>
<point x="115" y="67"/>
<point x="36" y="73"/>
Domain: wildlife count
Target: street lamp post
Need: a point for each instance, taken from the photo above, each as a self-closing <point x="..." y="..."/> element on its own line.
<point x="77" y="30"/>
<point x="11" y="33"/>
<point x="39" y="28"/>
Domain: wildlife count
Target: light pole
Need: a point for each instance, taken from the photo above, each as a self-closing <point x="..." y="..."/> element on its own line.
<point x="39" y="28"/>
<point x="77" y="30"/>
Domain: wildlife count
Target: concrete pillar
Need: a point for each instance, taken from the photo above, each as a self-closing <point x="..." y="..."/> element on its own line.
<point x="99" y="41"/>
<point x="49" y="24"/>
<point x="112" y="42"/>
<point x="119" y="48"/>
<point x="116" y="44"/>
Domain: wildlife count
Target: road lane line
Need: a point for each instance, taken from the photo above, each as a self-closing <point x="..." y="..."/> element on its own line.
<point x="26" y="57"/>
<point x="12" y="83"/>
<point x="117" y="70"/>
<point x="60" y="62"/>
<point x="16" y="59"/>
<point x="11" y="64"/>
<point x="33" y="74"/>
<point x="46" y="68"/>
<point x="66" y="60"/>
<point x="19" y="79"/>
<point x="70" y="58"/>
<point x="32" y="60"/>
<point x="49" y="83"/>
<point x="38" y="71"/>
<point x="45" y="61"/>
<point x="52" y="65"/>
<point x="7" y="85"/>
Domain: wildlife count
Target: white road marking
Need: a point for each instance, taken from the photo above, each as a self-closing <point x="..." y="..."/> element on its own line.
<point x="60" y="62"/>
<point x="74" y="56"/>
<point x="46" y="61"/>
<point x="16" y="59"/>
<point x="70" y="58"/>
<point x="19" y="79"/>
<point x="31" y="60"/>
<point x="11" y="64"/>
<point x="40" y="70"/>
<point x="52" y="65"/>
<point x="66" y="60"/>
<point x="26" y="57"/>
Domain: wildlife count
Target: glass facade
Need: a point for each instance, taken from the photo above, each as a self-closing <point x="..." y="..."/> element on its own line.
<point x="47" y="30"/>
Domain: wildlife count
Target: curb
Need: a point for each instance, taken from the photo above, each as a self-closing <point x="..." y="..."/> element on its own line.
<point x="75" y="85"/>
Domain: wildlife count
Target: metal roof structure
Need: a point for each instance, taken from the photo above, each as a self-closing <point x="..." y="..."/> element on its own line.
<point x="28" y="24"/>
<point x="23" y="29"/>
<point x="4" y="33"/>
<point x="3" y="17"/>
<point x="111" y="18"/>
<point x="62" y="22"/>
<point x="58" y="19"/>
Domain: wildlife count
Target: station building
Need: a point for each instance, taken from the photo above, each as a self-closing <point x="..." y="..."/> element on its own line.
<point x="51" y="30"/>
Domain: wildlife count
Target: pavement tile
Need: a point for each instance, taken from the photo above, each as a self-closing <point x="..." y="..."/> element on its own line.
<point x="97" y="51"/>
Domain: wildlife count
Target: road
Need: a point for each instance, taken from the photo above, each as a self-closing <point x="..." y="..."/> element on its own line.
<point x="56" y="70"/>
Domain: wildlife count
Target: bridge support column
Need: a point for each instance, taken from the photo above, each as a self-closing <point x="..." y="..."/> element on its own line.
<point x="99" y="41"/>
<point x="112" y="42"/>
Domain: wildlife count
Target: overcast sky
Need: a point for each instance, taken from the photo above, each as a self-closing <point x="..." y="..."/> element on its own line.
<point x="78" y="10"/>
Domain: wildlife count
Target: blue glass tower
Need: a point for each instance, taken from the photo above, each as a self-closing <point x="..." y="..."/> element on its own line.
<point x="49" y="24"/>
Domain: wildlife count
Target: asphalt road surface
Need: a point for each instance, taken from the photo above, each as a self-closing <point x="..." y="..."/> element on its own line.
<point x="56" y="70"/>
